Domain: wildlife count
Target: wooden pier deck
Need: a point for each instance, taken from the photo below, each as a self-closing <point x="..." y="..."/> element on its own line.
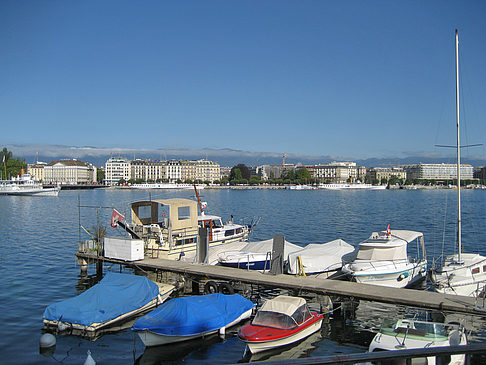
<point x="408" y="297"/>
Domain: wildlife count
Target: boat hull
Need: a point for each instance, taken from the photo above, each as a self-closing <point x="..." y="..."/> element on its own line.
<point x="260" y="346"/>
<point x="150" y="338"/>
<point x="406" y="277"/>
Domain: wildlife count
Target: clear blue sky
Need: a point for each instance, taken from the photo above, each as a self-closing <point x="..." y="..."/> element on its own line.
<point x="342" y="78"/>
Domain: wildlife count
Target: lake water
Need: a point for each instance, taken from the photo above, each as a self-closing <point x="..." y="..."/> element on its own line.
<point x="39" y="236"/>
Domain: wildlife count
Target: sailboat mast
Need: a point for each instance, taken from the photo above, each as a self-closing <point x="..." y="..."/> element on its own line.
<point x="459" y="230"/>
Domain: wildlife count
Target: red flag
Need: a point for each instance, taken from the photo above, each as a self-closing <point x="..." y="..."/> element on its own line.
<point x="115" y="217"/>
<point x="388" y="231"/>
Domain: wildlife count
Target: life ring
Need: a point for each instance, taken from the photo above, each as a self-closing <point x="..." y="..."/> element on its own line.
<point x="210" y="287"/>
<point x="225" y="288"/>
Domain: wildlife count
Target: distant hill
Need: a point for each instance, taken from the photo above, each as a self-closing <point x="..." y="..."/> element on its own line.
<point x="225" y="156"/>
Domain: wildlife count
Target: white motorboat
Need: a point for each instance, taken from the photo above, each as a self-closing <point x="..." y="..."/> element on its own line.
<point x="460" y="273"/>
<point x="382" y="260"/>
<point x="26" y="185"/>
<point x="351" y="186"/>
<point x="412" y="334"/>
<point x="254" y="255"/>
<point x="319" y="258"/>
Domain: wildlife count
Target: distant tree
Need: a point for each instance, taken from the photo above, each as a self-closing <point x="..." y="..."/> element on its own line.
<point x="243" y="174"/>
<point x="303" y="175"/>
<point x="100" y="175"/>
<point x="11" y="166"/>
<point x="384" y="181"/>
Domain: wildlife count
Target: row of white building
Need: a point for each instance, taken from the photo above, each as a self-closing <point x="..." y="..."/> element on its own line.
<point x="122" y="169"/>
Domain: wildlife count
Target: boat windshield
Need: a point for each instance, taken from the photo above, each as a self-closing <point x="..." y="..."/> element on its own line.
<point x="273" y="319"/>
<point x="415" y="328"/>
<point x="281" y="320"/>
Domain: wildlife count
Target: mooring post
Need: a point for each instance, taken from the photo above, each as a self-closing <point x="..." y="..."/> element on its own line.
<point x="202" y="246"/>
<point x="277" y="255"/>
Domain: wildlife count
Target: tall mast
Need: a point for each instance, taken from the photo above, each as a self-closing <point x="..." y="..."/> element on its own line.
<point x="459" y="230"/>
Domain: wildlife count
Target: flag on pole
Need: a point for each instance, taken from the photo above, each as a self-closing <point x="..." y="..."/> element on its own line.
<point x="388" y="231"/>
<point x="115" y="217"/>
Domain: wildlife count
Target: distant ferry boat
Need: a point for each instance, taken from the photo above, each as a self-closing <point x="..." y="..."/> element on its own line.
<point x="165" y="186"/>
<point x="26" y="185"/>
<point x="351" y="186"/>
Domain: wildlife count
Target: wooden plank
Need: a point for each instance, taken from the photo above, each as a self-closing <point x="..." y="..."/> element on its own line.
<point x="409" y="297"/>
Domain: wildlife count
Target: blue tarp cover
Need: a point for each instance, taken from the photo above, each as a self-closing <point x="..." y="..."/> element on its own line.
<point x="194" y="315"/>
<point x="113" y="296"/>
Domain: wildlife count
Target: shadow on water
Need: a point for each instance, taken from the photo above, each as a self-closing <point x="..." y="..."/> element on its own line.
<point x="176" y="352"/>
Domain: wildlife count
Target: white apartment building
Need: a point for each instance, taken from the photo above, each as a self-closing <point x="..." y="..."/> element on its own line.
<point x="439" y="171"/>
<point x="172" y="171"/>
<point x="72" y="172"/>
<point x="338" y="172"/>
<point x="116" y="168"/>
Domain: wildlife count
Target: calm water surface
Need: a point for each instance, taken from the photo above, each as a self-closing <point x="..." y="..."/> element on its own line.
<point x="39" y="236"/>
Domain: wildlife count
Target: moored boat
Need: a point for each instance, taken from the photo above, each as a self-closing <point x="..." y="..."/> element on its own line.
<point x="254" y="255"/>
<point x="319" y="258"/>
<point x="382" y="259"/>
<point x="169" y="228"/>
<point x="26" y="185"/>
<point x="460" y="273"/>
<point x="412" y="334"/>
<point x="187" y="318"/>
<point x="115" y="298"/>
<point x="279" y="322"/>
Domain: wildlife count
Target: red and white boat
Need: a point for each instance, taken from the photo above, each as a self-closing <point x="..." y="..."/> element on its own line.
<point x="279" y="322"/>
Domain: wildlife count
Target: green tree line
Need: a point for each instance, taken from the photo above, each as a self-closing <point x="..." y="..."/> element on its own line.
<point x="10" y="166"/>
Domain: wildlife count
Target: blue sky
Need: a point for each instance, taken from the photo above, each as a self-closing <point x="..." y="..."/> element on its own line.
<point x="351" y="79"/>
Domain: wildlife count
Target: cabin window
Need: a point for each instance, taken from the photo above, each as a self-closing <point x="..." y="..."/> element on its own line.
<point x="184" y="241"/>
<point x="229" y="232"/>
<point x="484" y="268"/>
<point x="239" y="230"/>
<point x="475" y="270"/>
<point x="144" y="212"/>
<point x="184" y="212"/>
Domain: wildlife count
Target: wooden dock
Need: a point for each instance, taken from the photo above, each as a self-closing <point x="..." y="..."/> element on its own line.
<point x="408" y="297"/>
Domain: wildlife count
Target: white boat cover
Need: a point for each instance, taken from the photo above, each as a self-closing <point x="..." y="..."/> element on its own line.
<point x="283" y="304"/>
<point x="267" y="246"/>
<point x="319" y="257"/>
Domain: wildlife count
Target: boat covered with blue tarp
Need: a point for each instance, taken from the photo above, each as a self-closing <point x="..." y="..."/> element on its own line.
<point x="117" y="296"/>
<point x="186" y="318"/>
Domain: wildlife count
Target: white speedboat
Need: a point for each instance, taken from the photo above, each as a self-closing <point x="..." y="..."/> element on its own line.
<point x="382" y="260"/>
<point x="411" y="334"/>
<point x="460" y="273"/>
<point x="26" y="185"/>
<point x="351" y="186"/>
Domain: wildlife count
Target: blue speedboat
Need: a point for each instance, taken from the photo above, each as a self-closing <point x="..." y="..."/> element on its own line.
<point x="186" y="318"/>
<point x="116" y="297"/>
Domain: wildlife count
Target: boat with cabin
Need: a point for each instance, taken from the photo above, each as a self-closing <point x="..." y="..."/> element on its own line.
<point x="382" y="259"/>
<point x="25" y="185"/>
<point x="460" y="273"/>
<point x="414" y="334"/>
<point x="187" y="318"/>
<point x="169" y="228"/>
<point x="280" y="321"/>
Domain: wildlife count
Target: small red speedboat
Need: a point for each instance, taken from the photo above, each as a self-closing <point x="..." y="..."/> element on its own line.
<point x="279" y="322"/>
